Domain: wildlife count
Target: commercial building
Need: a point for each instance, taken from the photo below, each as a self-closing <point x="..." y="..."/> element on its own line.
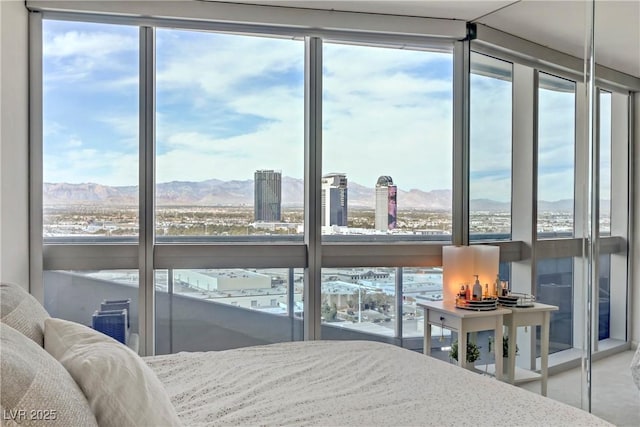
<point x="386" y="204"/>
<point x="267" y="195"/>
<point x="334" y="199"/>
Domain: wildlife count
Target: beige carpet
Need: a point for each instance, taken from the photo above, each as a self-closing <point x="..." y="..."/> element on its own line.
<point x="615" y="397"/>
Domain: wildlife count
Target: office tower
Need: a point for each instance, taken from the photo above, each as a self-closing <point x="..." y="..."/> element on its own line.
<point x="267" y="195"/>
<point x="386" y="204"/>
<point x="334" y="199"/>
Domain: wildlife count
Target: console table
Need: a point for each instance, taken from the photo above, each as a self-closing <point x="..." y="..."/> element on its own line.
<point x="445" y="314"/>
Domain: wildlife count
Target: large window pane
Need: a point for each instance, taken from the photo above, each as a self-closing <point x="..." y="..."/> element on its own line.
<point x="387" y="142"/>
<point x="490" y="150"/>
<point x="419" y="285"/>
<point x="554" y="286"/>
<point x="218" y="309"/>
<point x="358" y="302"/>
<point x="230" y="138"/>
<point x="604" y="297"/>
<point x="90" y="130"/>
<point x="556" y="142"/>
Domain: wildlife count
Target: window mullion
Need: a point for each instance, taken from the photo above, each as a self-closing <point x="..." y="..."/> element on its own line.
<point x="312" y="186"/>
<point x="146" y="159"/>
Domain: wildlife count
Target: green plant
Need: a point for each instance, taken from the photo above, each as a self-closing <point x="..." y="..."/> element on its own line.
<point x="473" y="351"/>
<point x="505" y="345"/>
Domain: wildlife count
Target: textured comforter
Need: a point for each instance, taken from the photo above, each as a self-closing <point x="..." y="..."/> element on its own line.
<point x="345" y="383"/>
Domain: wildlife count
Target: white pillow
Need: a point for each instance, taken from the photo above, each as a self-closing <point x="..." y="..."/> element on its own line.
<point x="121" y="389"/>
<point x="35" y="389"/>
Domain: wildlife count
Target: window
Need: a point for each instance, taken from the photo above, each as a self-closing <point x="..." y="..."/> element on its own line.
<point x="490" y="148"/>
<point x="361" y="300"/>
<point x="90" y="131"/>
<point x="229" y="174"/>
<point x="556" y="144"/>
<point x="387" y="142"/>
<point x="217" y="309"/>
<point x="419" y="284"/>
<point x="229" y="135"/>
<point x="555" y="287"/>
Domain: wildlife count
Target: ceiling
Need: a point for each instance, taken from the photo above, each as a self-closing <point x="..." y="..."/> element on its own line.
<point x="559" y="24"/>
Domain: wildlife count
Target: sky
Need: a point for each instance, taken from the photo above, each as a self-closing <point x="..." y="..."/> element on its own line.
<point x="227" y="105"/>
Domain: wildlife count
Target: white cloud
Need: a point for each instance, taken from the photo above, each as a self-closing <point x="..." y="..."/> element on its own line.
<point x="87" y="44"/>
<point x="125" y="126"/>
<point x="74" y="142"/>
<point x="75" y="55"/>
<point x="220" y="65"/>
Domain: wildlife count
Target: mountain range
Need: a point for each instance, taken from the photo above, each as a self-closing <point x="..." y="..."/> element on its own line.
<point x="214" y="192"/>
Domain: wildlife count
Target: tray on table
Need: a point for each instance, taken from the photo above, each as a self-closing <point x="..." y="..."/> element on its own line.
<point x="477" y="305"/>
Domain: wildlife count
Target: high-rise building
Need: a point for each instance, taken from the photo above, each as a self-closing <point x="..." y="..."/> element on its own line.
<point x="334" y="199"/>
<point x="386" y="204"/>
<point x="267" y="195"/>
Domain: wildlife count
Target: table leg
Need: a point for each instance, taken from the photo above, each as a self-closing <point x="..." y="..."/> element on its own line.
<point x="497" y="336"/>
<point x="462" y="346"/>
<point x="427" y="333"/>
<point x="544" y="352"/>
<point x="513" y="342"/>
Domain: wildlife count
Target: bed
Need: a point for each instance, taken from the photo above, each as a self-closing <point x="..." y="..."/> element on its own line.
<point x="87" y="378"/>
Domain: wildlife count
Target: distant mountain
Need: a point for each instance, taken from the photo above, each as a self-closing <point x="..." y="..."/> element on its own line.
<point x="487" y="205"/>
<point x="214" y="192"/>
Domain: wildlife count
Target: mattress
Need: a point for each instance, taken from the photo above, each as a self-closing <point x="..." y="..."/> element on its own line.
<point x="346" y="383"/>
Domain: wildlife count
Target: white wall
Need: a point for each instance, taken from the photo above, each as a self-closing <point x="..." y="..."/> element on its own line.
<point x="14" y="195"/>
<point x="635" y="288"/>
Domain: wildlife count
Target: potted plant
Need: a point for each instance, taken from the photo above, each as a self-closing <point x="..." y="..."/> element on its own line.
<point x="505" y="346"/>
<point x="505" y="352"/>
<point x="473" y="351"/>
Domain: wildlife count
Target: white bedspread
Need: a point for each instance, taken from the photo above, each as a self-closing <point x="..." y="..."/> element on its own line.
<point x="345" y="383"/>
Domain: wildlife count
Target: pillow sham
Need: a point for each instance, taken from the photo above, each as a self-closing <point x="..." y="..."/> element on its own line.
<point x="20" y="310"/>
<point x="36" y="389"/>
<point x="121" y="389"/>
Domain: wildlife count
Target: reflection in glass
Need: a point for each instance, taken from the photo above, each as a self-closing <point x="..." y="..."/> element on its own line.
<point x="78" y="295"/>
<point x="554" y="286"/>
<point x="90" y="130"/>
<point x="604" y="297"/>
<point x="490" y="148"/>
<point x="218" y="309"/>
<point x="358" y="301"/>
<point x="230" y="141"/>
<point x="387" y="115"/>
<point x="556" y="142"/>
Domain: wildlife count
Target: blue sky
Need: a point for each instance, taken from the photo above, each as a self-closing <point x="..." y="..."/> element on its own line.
<point x="228" y="105"/>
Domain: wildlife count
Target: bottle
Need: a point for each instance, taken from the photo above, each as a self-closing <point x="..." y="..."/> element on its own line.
<point x="467" y="293"/>
<point x="477" y="289"/>
<point x="497" y="287"/>
<point x="486" y="291"/>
